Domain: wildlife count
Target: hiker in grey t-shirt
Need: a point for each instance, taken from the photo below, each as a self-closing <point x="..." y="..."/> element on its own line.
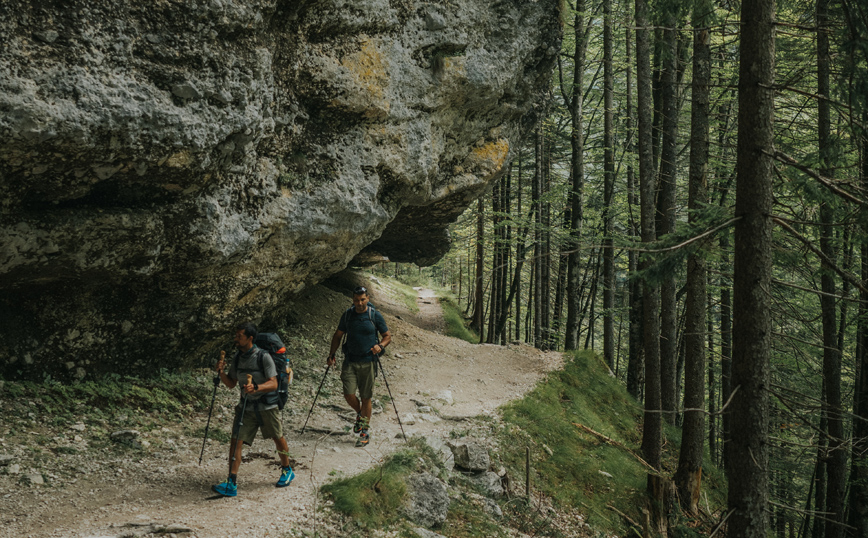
<point x="254" y="412"/>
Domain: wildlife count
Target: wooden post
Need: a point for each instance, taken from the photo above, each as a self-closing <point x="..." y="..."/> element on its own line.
<point x="527" y="473"/>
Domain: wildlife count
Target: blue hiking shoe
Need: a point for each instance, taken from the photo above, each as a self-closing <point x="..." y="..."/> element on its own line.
<point x="227" y="489"/>
<point x="286" y="476"/>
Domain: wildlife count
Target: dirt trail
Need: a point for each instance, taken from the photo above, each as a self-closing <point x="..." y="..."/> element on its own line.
<point x="165" y="487"/>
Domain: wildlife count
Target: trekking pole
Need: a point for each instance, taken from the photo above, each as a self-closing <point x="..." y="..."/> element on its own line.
<point x="377" y="358"/>
<point x="315" y="397"/>
<point x="237" y="429"/>
<point x="208" y="424"/>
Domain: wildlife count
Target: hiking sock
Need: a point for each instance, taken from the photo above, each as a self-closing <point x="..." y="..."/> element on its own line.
<point x="233" y="478"/>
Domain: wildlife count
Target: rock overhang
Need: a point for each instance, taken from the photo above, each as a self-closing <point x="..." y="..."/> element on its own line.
<point x="167" y="170"/>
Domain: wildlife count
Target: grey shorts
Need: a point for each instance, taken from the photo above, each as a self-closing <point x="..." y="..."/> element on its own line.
<point x="269" y="425"/>
<point x="358" y="376"/>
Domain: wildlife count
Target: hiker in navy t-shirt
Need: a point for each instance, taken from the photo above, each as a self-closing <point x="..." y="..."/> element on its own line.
<point x="360" y="324"/>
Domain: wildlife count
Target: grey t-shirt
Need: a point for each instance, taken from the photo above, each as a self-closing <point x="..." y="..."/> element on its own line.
<point x="248" y="363"/>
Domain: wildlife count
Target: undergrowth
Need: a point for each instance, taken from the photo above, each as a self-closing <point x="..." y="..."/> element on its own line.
<point x="577" y="469"/>
<point x="170" y="394"/>
<point x="569" y="464"/>
<point x="455" y="325"/>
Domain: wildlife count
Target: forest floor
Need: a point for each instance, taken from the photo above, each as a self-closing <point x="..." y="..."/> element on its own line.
<point x="159" y="488"/>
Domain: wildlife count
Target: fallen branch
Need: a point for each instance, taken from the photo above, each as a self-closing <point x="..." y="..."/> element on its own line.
<point x="626" y="518"/>
<point x="720" y="524"/>
<point x="614" y="443"/>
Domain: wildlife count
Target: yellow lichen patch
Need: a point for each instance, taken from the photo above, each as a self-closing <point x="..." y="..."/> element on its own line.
<point x="180" y="159"/>
<point x="490" y="158"/>
<point x="455" y="65"/>
<point x="369" y="69"/>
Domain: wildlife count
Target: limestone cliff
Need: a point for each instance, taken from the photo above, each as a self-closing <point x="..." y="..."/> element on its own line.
<point x="169" y="167"/>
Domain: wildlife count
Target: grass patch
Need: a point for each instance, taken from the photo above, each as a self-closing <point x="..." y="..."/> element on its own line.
<point x="568" y="464"/>
<point x="373" y="499"/>
<point x="406" y="294"/>
<point x="455" y="325"/>
<point x="168" y="393"/>
<point x="467" y="518"/>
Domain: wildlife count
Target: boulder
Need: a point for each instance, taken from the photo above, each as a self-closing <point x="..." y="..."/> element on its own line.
<point x="443" y="452"/>
<point x="470" y="456"/>
<point x="492" y="508"/>
<point x="489" y="483"/>
<point x="428" y="501"/>
<point x="127" y="437"/>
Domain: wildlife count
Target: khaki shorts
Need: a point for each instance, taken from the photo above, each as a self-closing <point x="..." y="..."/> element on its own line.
<point x="269" y="425"/>
<point x="358" y="376"/>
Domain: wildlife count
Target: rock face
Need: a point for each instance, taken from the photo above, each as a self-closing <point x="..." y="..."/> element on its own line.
<point x="169" y="168"/>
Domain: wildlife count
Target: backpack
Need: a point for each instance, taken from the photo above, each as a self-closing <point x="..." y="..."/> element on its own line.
<point x="344" y="347"/>
<point x="272" y="344"/>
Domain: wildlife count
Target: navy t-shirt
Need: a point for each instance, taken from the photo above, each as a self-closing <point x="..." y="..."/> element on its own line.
<point x="362" y="332"/>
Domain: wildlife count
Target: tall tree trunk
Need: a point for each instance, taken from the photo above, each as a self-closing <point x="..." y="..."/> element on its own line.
<point x="819" y="528"/>
<point x="561" y="287"/>
<point x="724" y="281"/>
<point x="748" y="457"/>
<point x="546" y="260"/>
<point x="636" y="365"/>
<point x="507" y="247"/>
<point x="859" y="462"/>
<point x="538" y="240"/>
<point x="592" y="300"/>
<point x="519" y="187"/>
<point x="608" y="190"/>
<point x="493" y="315"/>
<point x="713" y="447"/>
<point x="666" y="208"/>
<point x="652" y="422"/>
<point x="689" y="474"/>
<point x="521" y="250"/>
<point x="478" y="321"/>
<point x="577" y="172"/>
<point x="837" y="463"/>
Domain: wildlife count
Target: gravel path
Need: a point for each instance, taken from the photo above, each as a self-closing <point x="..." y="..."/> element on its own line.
<point x="161" y="488"/>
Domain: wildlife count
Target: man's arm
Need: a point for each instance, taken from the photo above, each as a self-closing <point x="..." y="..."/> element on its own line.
<point x="336" y="342"/>
<point x="268" y="386"/>
<point x="221" y="365"/>
<point x="381" y="345"/>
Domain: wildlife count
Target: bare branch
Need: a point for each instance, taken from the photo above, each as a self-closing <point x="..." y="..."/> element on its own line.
<point x="809" y="244"/>
<point x="826" y="182"/>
